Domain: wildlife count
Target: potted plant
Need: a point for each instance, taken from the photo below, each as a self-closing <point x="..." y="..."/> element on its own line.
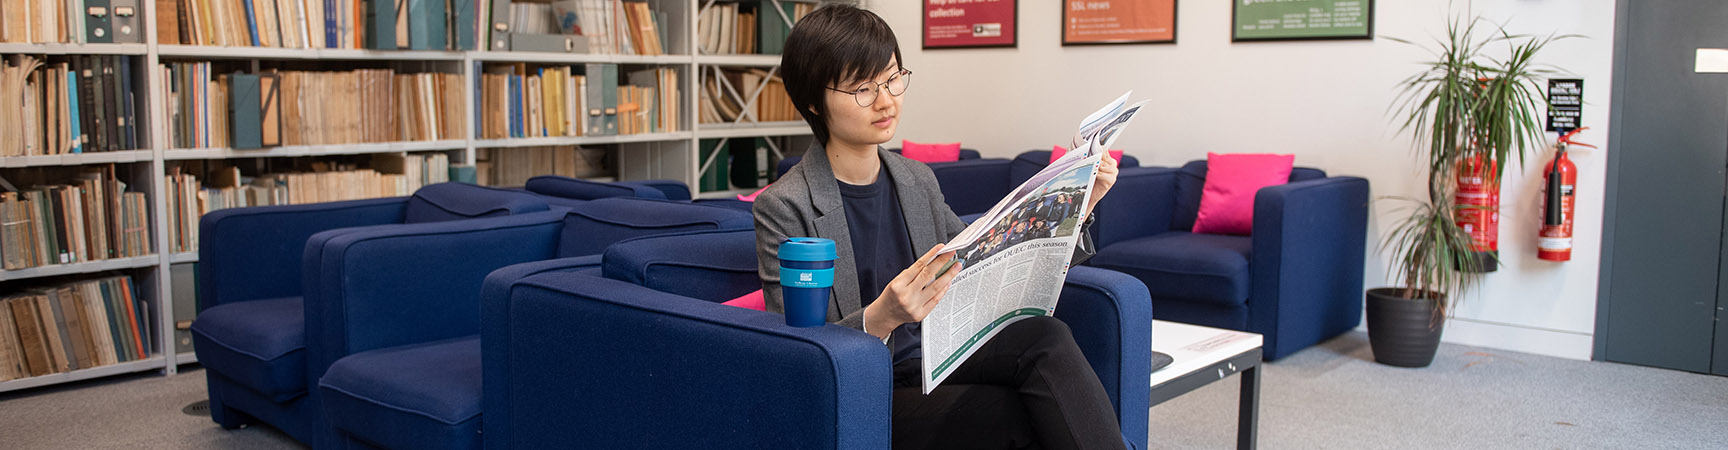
<point x="1466" y="109"/>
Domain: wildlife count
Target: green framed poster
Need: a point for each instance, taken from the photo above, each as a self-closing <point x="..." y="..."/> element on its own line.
<point x="1270" y="20"/>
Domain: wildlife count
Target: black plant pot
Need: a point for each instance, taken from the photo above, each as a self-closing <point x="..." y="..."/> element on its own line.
<point x="1403" y="332"/>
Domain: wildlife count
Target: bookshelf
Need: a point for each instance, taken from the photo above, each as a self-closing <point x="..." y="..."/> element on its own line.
<point x="159" y="276"/>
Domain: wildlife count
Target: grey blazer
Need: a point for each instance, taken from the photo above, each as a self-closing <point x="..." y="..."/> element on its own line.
<point x="805" y="202"/>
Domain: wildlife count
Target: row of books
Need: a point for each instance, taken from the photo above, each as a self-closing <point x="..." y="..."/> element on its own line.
<point x="390" y="175"/>
<point x="725" y="97"/>
<point x="514" y="166"/>
<point x="74" y="104"/>
<point x="75" y="326"/>
<point x="748" y="27"/>
<point x="247" y="111"/>
<point x="371" y="24"/>
<point x="70" y="21"/>
<point x="557" y="101"/>
<point x="591" y="26"/>
<point x="90" y="218"/>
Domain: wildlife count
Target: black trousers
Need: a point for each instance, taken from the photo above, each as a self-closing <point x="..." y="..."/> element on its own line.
<point x="1027" y="388"/>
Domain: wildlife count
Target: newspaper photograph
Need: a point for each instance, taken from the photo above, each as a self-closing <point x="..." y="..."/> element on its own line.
<point x="1015" y="256"/>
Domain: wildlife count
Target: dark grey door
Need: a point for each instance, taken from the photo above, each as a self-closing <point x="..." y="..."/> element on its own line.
<point x="1662" y="260"/>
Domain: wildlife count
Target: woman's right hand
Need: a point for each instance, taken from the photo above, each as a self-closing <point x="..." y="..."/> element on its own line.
<point x="911" y="295"/>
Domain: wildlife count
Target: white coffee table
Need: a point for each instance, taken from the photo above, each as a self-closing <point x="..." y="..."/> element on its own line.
<point x="1202" y="355"/>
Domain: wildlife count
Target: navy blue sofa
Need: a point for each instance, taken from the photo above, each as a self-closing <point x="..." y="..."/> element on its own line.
<point x="1297" y="280"/>
<point x="392" y="313"/>
<point x="644" y="357"/>
<point x="558" y="188"/>
<point x="972" y="185"/>
<point x="250" y="334"/>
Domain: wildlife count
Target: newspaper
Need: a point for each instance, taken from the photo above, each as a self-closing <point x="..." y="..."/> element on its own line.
<point x="1015" y="257"/>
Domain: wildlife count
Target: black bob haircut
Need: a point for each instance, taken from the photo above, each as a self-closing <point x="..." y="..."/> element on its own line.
<point x="837" y="43"/>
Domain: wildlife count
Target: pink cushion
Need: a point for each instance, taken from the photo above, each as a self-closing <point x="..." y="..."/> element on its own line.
<point x="751" y="300"/>
<point x="1227" y="202"/>
<point x="752" y="196"/>
<point x="930" y="153"/>
<point x="1056" y="153"/>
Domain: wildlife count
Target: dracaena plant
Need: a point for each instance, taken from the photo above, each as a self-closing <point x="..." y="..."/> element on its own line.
<point x="1464" y="105"/>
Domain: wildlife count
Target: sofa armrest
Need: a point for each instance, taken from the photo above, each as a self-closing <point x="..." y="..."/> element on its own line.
<point x="385" y="286"/>
<point x="1110" y="314"/>
<point x="972" y="185"/>
<point x="669" y="189"/>
<point x="497" y="284"/>
<point x="1138" y="205"/>
<point x="610" y="364"/>
<point x="1309" y="247"/>
<point x="254" y="253"/>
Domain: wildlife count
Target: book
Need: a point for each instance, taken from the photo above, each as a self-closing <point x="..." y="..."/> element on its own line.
<point x="11" y="353"/>
<point x="30" y="336"/>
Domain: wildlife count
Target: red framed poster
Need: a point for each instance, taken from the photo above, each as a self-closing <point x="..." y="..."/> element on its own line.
<point x="970" y="23"/>
<point x="1086" y="22"/>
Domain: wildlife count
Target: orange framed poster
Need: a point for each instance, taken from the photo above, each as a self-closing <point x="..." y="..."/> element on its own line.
<point x="1088" y="22"/>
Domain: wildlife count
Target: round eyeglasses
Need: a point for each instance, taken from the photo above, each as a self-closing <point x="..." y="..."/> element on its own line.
<point x="866" y="93"/>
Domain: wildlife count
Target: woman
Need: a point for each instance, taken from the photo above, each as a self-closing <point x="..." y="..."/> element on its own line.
<point x="1029" y="386"/>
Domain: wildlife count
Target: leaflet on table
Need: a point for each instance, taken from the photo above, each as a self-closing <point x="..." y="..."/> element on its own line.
<point x="1015" y="257"/>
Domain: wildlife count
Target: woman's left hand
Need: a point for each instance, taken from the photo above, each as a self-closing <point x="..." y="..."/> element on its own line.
<point x="1107" y="169"/>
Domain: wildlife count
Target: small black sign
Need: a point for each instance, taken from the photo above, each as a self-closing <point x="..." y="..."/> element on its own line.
<point x="1565" y="104"/>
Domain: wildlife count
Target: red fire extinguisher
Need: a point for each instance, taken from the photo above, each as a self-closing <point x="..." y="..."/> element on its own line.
<point x="1560" y="181"/>
<point x="1478" y="212"/>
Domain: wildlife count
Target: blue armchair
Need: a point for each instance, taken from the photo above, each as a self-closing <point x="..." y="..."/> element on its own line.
<point x="392" y="312"/>
<point x="645" y="358"/>
<point x="250" y="334"/>
<point x="1297" y="280"/>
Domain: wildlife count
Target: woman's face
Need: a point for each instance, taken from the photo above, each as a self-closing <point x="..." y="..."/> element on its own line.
<point x="864" y="125"/>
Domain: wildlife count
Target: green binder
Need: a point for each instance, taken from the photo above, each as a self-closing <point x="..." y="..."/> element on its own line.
<point x="243" y="109"/>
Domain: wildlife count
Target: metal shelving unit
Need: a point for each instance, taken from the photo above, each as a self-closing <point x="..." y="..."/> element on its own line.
<point x="74" y="49"/>
<point x="314" y="150"/>
<point x="142" y="365"/>
<point x="77" y="159"/>
<point x="51" y="270"/>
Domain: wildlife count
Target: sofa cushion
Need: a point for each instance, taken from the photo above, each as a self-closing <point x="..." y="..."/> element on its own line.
<point x="1185" y="266"/>
<point x="456" y="201"/>
<point x="422" y="396"/>
<point x="260" y="344"/>
<point x="930" y="153"/>
<point x="1232" y="181"/>
<point x="1191" y="179"/>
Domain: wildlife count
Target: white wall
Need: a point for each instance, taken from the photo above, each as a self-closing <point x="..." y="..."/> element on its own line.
<point x="1324" y="101"/>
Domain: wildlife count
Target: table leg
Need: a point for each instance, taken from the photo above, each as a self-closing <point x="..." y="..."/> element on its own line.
<point x="1247" y="426"/>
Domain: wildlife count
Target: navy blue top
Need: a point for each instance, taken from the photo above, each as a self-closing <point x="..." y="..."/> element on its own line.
<point x="881" y="249"/>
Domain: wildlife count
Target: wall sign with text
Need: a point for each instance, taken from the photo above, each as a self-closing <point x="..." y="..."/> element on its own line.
<point x="1265" y="20"/>
<point x="1118" y="21"/>
<point x="969" y="23"/>
<point x="1565" y="104"/>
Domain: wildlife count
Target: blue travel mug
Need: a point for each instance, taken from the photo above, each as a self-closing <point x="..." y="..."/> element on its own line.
<point x="806" y="278"/>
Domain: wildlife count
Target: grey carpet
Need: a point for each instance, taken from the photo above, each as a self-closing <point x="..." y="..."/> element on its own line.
<point x="1332" y="396"/>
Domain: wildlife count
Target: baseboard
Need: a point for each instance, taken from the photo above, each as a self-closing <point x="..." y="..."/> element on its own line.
<point x="1540" y="341"/>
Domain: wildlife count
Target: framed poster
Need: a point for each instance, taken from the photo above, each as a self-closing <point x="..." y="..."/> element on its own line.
<point x="1088" y="22"/>
<point x="1271" y="20"/>
<point x="970" y="23"/>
